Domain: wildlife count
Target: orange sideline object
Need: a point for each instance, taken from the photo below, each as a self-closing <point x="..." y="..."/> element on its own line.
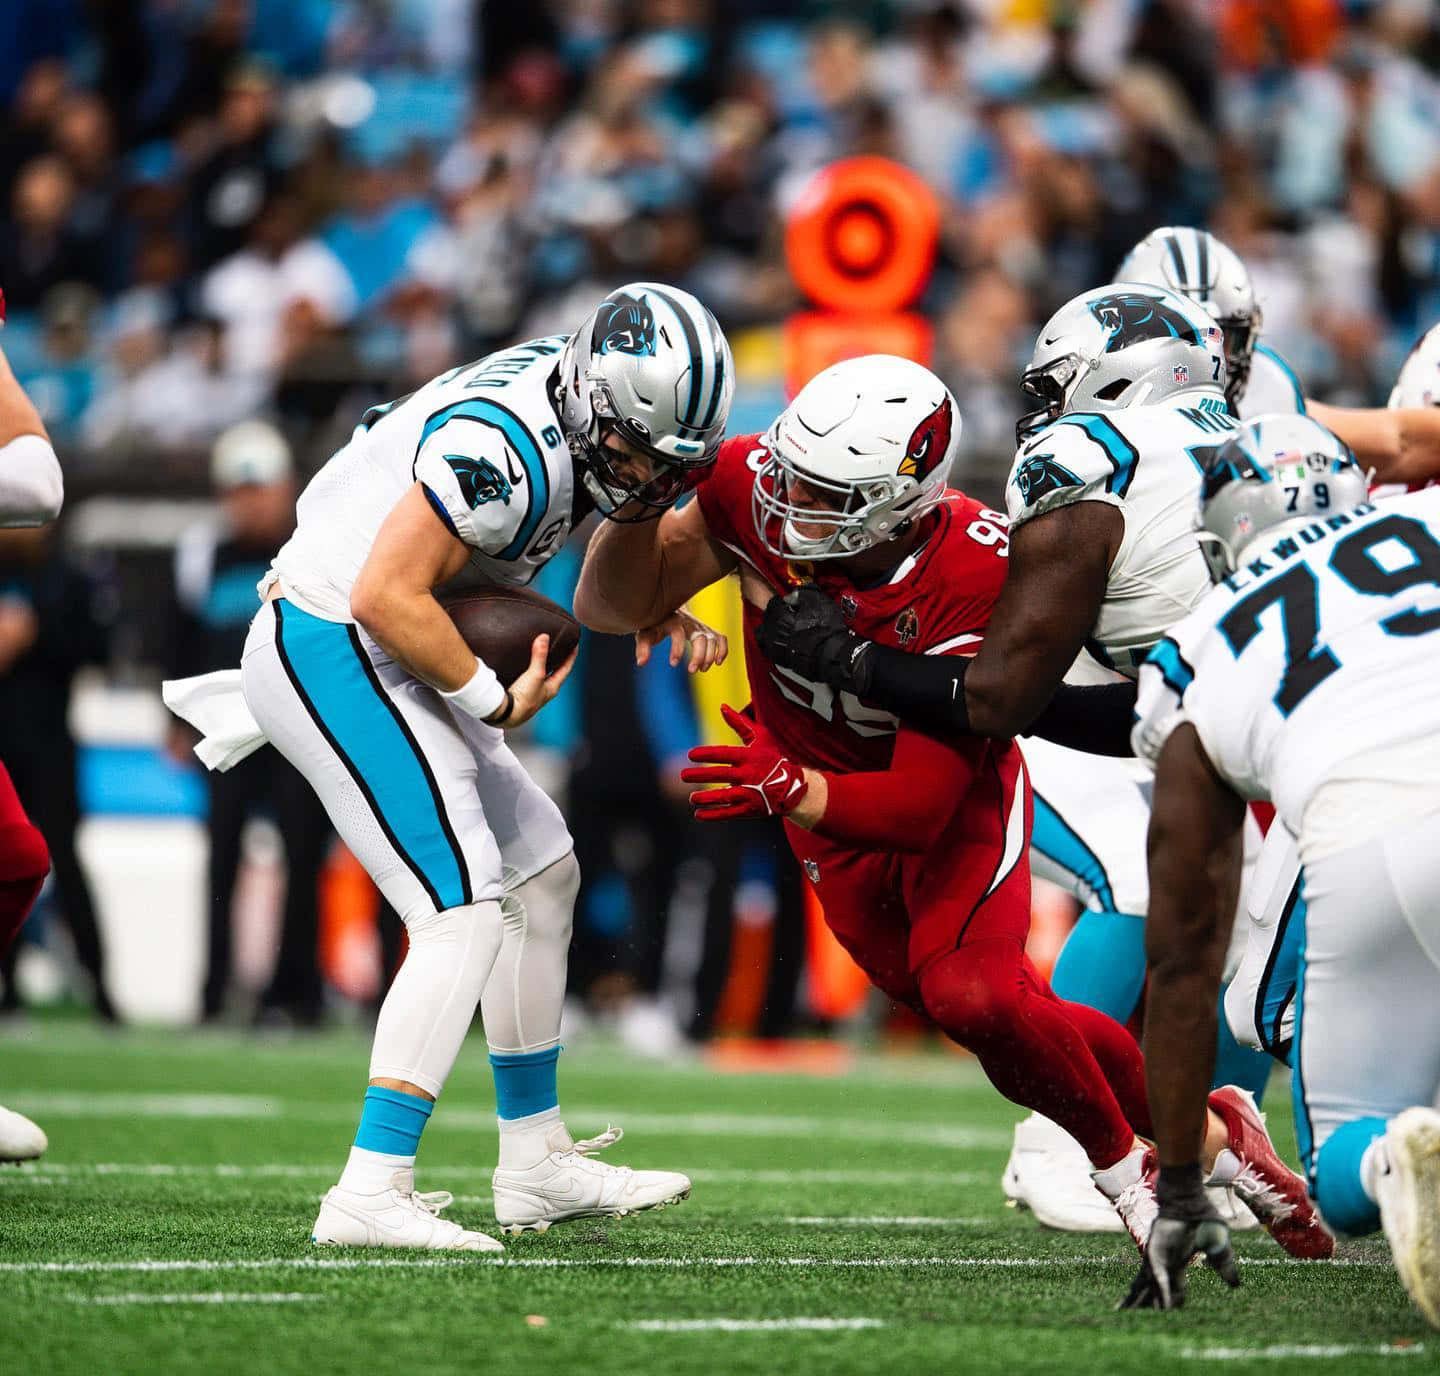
<point x="813" y="340"/>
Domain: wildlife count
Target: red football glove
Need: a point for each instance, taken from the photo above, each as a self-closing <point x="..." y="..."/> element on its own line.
<point x="761" y="781"/>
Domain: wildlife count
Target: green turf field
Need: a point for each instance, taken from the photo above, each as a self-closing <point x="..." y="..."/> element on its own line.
<point x="167" y="1230"/>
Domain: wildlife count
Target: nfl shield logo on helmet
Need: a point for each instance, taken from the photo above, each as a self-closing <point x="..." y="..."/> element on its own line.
<point x="1182" y="373"/>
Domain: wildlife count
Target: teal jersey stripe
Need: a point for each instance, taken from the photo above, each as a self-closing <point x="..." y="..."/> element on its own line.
<point x="489" y="413"/>
<point x="1289" y="375"/>
<point x="1118" y="449"/>
<point x="1062" y="845"/>
<point x="1177" y="674"/>
<point x="330" y="671"/>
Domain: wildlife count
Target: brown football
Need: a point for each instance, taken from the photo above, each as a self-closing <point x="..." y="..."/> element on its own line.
<point x="499" y="624"/>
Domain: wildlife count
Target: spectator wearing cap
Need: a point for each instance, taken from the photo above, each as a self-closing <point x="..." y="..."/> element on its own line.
<point x="217" y="565"/>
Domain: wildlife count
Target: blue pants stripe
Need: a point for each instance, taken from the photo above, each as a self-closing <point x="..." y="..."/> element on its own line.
<point x="1304" y="1130"/>
<point x="1061" y="844"/>
<point x="334" y="678"/>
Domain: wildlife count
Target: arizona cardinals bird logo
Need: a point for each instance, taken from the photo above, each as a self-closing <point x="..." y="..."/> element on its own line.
<point x="929" y="443"/>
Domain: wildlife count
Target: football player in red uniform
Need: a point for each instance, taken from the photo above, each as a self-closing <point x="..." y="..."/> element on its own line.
<point x="916" y="847"/>
<point x="30" y="495"/>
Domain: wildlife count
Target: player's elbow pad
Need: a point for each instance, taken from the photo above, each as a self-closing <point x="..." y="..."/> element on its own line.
<point x="32" y="488"/>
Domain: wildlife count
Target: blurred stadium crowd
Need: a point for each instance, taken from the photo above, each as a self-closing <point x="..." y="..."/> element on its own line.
<point x="216" y="210"/>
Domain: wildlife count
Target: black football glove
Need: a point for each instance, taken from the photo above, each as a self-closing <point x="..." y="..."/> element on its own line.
<point x="1187" y="1225"/>
<point x="805" y="632"/>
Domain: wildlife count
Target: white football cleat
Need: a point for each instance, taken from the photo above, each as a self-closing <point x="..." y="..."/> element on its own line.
<point x="567" y="1182"/>
<point x="1129" y="1185"/>
<point x="397" y="1217"/>
<point x="1049" y="1174"/>
<point x="20" y="1139"/>
<point x="1409" y="1191"/>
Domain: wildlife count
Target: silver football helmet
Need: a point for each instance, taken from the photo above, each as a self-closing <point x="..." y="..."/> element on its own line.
<point x="1195" y="264"/>
<point x="1121" y="345"/>
<point x="1419" y="380"/>
<point x="871" y="441"/>
<point x="651" y="364"/>
<point x="1274" y="471"/>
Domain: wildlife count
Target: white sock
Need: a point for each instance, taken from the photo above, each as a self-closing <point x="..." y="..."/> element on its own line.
<point x="373" y="1172"/>
<point x="1373" y="1164"/>
<point x="524" y="1142"/>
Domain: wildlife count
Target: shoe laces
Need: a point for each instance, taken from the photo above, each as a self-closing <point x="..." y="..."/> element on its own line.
<point x="433" y="1201"/>
<point x="1254" y="1189"/>
<point x="588" y="1146"/>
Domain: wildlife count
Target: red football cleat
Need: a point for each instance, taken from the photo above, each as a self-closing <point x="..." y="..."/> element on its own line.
<point x="1252" y="1167"/>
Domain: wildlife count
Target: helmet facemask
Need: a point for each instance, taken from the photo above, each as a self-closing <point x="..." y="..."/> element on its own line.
<point x="1240" y="333"/>
<point x="1051" y="385"/>
<point x="609" y="489"/>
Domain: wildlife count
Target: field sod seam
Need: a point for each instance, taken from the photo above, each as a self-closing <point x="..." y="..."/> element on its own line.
<point x="623" y="1263"/>
<point x="103" y="1104"/>
<point x="1290" y="1351"/>
<point x="205" y="1297"/>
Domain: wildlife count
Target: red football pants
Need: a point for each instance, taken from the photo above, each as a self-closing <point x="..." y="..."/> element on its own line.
<point x="944" y="933"/>
<point x="24" y="862"/>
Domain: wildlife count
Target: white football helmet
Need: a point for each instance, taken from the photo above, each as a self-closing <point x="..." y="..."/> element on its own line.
<point x="652" y="364"/>
<point x="1419" y="380"/>
<point x="1195" y="264"/>
<point x="1121" y="345"/>
<point x="872" y="440"/>
<point x="1273" y="471"/>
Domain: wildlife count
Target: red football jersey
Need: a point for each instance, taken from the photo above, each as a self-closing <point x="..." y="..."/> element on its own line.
<point x="937" y="601"/>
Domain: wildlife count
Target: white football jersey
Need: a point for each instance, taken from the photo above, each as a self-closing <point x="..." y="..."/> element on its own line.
<point x="1142" y="460"/>
<point x="1272" y="389"/>
<point x="1309" y="674"/>
<point x="485" y="441"/>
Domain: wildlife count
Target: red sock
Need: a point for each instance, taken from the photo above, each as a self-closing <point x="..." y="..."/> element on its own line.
<point x="24" y="863"/>
<point x="986" y="997"/>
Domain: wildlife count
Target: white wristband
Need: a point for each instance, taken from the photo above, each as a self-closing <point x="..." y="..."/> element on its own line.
<point x="482" y="696"/>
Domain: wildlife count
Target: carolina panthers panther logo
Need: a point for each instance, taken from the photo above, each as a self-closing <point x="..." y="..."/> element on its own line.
<point x="480" y="481"/>
<point x="929" y="442"/>
<point x="1131" y="317"/>
<point x="1040" y="475"/>
<point x="624" y="325"/>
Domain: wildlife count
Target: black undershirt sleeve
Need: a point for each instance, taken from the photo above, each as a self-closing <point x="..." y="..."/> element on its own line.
<point x="928" y="691"/>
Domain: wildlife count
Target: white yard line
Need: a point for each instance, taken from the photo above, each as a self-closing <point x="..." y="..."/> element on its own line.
<point x="884" y="1221"/>
<point x="210" y="1297"/>
<point x="565" y="1263"/>
<point x="50" y="1173"/>
<point x="1289" y="1351"/>
<point x="748" y="1325"/>
<point x="876" y="1128"/>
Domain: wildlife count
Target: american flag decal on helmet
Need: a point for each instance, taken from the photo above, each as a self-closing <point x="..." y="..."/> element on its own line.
<point x="929" y="442"/>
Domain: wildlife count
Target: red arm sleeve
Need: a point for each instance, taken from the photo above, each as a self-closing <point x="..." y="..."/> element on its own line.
<point x="906" y="807"/>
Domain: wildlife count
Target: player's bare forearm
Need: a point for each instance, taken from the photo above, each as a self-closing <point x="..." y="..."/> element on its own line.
<point x="18" y="415"/>
<point x="1401" y="445"/>
<point x="635" y="575"/>
<point x="1195" y="843"/>
<point x="393" y="596"/>
<point x="1059" y="566"/>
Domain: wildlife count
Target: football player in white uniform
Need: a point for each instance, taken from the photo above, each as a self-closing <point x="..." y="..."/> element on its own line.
<point x="31" y="492"/>
<point x="1101" y="499"/>
<point x="356" y="674"/>
<point x="1306" y="677"/>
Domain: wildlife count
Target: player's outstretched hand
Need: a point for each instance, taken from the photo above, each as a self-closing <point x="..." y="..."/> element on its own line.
<point x="756" y="779"/>
<point x="535" y="687"/>
<point x="1173" y="1242"/>
<point x="706" y="646"/>
<point x="805" y="632"/>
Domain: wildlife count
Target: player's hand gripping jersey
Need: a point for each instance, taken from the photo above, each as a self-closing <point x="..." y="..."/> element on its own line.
<point x="1141" y="460"/>
<point x="1309" y="674"/>
<point x="484" y="439"/>
<point x="937" y="601"/>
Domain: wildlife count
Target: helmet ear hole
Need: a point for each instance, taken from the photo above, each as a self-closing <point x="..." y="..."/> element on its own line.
<point x="1113" y="391"/>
